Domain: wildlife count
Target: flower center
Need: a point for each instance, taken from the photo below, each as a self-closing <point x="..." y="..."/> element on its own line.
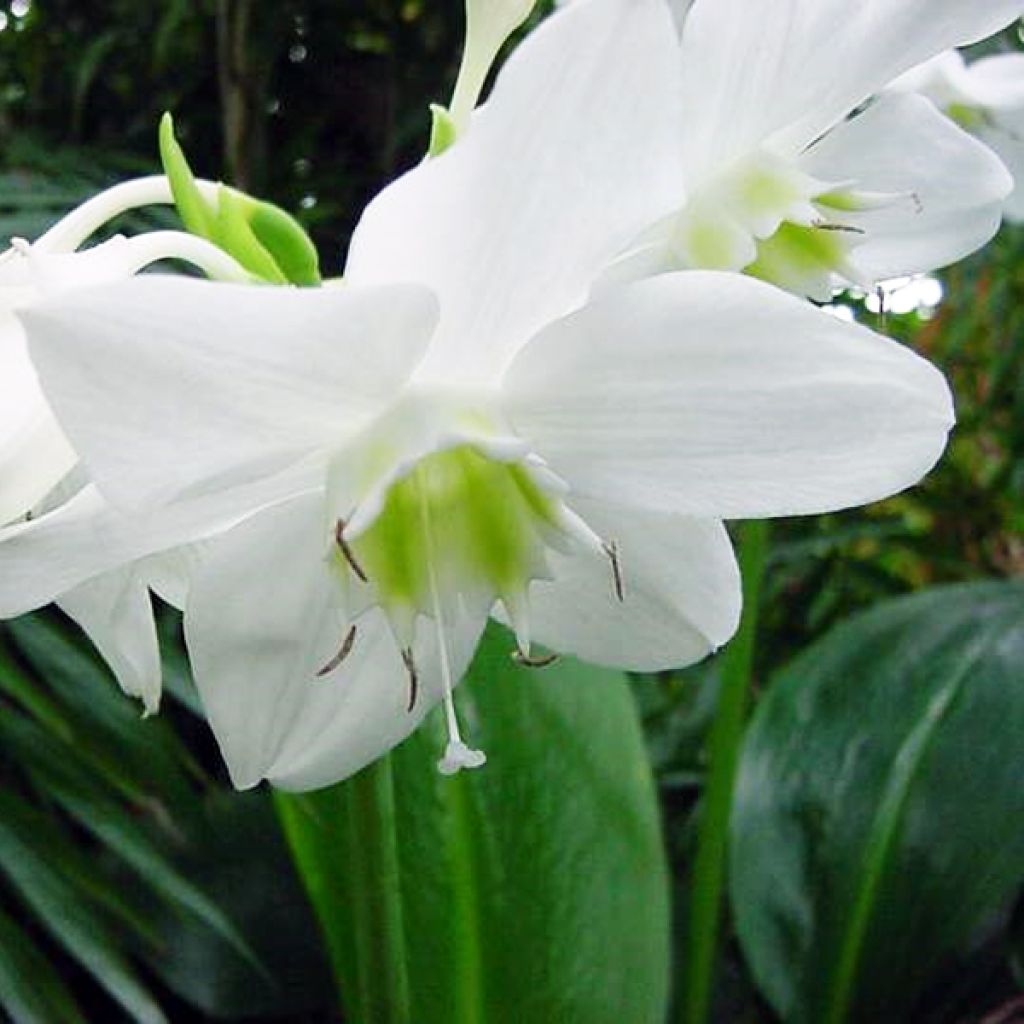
<point x="447" y="515"/>
<point x="770" y="219"/>
<point x="479" y="525"/>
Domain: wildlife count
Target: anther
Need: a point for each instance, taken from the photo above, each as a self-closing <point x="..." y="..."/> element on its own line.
<point x="533" y="660"/>
<point x="414" y="677"/>
<point x="343" y="652"/>
<point x="611" y="549"/>
<point x="823" y="225"/>
<point x="346" y="550"/>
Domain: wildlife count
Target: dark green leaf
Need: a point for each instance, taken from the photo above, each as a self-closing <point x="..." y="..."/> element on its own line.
<point x="236" y="851"/>
<point x="533" y="889"/>
<point x="31" y="991"/>
<point x="879" y="809"/>
<point x="50" y="876"/>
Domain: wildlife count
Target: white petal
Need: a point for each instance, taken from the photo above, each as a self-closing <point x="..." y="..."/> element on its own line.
<point x="953" y="184"/>
<point x="263" y="618"/>
<point x="511" y="225"/>
<point x="681" y="590"/>
<point x="715" y="395"/>
<point x="171" y="387"/>
<point x="788" y="70"/>
<point x="1006" y="137"/>
<point x="34" y="454"/>
<point x="116" y="612"/>
<point x="997" y="82"/>
<point x="86" y="537"/>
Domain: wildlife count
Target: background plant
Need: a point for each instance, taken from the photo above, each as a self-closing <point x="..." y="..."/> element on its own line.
<point x="132" y="882"/>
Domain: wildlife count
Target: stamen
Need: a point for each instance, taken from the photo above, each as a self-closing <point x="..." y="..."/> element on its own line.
<point x="343" y="546"/>
<point x="533" y="661"/>
<point x="611" y="549"/>
<point x="456" y="755"/>
<point x="823" y="225"/>
<point x="343" y="653"/>
<point x="414" y="677"/>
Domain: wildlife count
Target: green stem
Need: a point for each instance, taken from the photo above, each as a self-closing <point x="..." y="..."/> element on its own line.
<point x="382" y="991"/>
<point x="708" y="883"/>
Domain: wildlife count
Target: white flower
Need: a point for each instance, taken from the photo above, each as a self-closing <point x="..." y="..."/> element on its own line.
<point x="36" y="460"/>
<point x="775" y="175"/>
<point x="986" y="98"/>
<point x="465" y="443"/>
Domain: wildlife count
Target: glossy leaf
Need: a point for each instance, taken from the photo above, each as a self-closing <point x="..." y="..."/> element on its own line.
<point x="877" y="824"/>
<point x="532" y="890"/>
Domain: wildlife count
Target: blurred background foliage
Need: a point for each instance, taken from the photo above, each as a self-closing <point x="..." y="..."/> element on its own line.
<point x="133" y="885"/>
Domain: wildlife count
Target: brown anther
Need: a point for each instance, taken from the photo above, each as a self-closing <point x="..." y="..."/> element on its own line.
<point x="823" y="225"/>
<point x="414" y="678"/>
<point x="533" y="661"/>
<point x="343" y="547"/>
<point x="611" y="549"/>
<point x="343" y="652"/>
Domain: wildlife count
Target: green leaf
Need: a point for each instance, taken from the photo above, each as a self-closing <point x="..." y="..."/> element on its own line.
<point x="61" y="777"/>
<point x="234" y="235"/>
<point x="31" y="991"/>
<point x="49" y="877"/>
<point x="280" y="234"/>
<point x="263" y="238"/>
<point x="195" y="214"/>
<point x="236" y="851"/>
<point x="136" y="756"/>
<point x="877" y="823"/>
<point x="533" y="889"/>
<point x="443" y="132"/>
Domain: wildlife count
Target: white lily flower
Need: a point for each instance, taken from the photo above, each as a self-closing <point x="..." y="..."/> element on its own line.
<point x="36" y="459"/>
<point x="781" y="177"/>
<point x="465" y="442"/>
<point x="986" y="98"/>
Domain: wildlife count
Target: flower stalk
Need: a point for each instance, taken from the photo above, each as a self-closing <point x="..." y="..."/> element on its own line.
<point x="709" y="871"/>
<point x="382" y="993"/>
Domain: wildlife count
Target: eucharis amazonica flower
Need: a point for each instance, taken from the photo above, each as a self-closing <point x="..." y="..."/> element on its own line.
<point x="38" y="466"/>
<point x="986" y="98"/>
<point x="456" y="431"/>
<point x="783" y="175"/>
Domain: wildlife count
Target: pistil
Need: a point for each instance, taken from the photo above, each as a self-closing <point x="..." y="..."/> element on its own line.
<point x="457" y="754"/>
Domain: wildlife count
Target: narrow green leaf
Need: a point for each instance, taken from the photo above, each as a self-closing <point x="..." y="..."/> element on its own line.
<point x="27" y="857"/>
<point x="876" y="828"/>
<point x="31" y="991"/>
<point x="195" y="214"/>
<point x="138" y="757"/>
<point x="533" y="889"/>
<point x="236" y="851"/>
<point x="78" y="792"/>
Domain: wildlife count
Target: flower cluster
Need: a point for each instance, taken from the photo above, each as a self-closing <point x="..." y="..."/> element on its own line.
<point x="548" y="375"/>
